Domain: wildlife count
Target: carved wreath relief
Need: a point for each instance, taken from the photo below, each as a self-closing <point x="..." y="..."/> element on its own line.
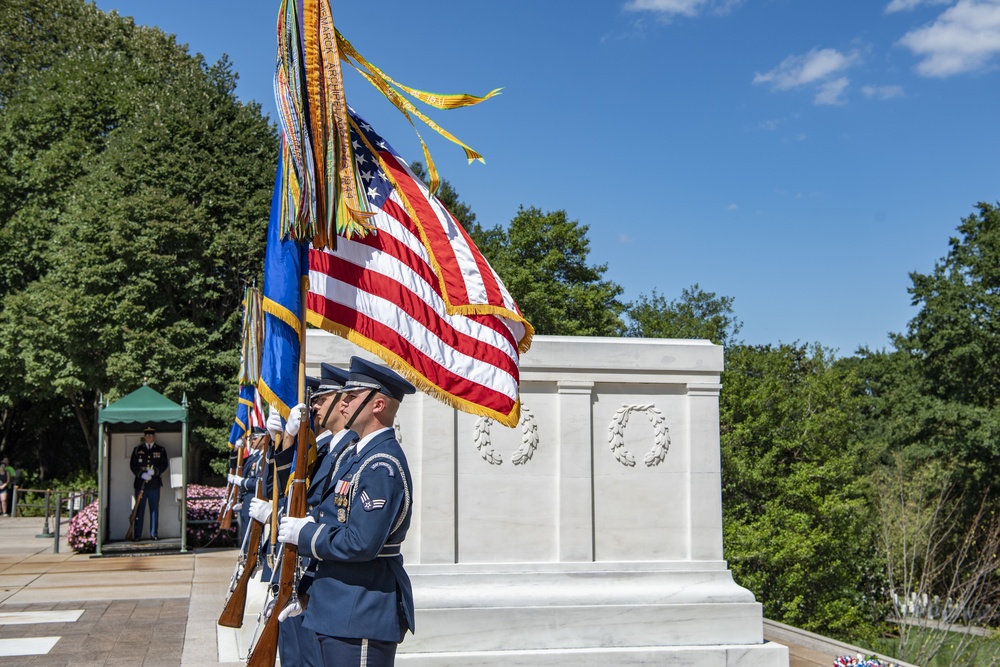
<point x="616" y="435"/>
<point x="529" y="439"/>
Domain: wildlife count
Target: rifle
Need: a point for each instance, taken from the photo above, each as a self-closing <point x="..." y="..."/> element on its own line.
<point x="232" y="495"/>
<point x="265" y="650"/>
<point x="130" y="533"/>
<point x="232" y="613"/>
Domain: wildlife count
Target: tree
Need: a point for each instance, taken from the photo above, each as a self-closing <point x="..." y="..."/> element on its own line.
<point x="956" y="332"/>
<point x="797" y="520"/>
<point x="697" y="314"/>
<point x="941" y="570"/>
<point x="542" y="259"/>
<point x="934" y="415"/>
<point x="140" y="186"/>
<point x="935" y="397"/>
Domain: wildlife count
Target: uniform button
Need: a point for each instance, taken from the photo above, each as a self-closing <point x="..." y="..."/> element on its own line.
<point x="322" y="514"/>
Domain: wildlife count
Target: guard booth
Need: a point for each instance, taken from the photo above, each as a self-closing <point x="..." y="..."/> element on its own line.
<point x="120" y="427"/>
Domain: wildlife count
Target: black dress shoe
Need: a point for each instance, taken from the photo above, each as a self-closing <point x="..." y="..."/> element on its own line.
<point x="155" y="537"/>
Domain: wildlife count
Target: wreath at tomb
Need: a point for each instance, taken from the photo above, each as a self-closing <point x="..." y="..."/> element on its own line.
<point x="661" y="436"/>
<point x="529" y="439"/>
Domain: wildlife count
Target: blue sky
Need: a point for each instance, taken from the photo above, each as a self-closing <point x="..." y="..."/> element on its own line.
<point x="801" y="156"/>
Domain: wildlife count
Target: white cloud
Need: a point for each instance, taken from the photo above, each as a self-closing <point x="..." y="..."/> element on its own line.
<point x="906" y="5"/>
<point x="882" y="92"/>
<point x="832" y="92"/>
<point x="822" y="68"/>
<point x="670" y="8"/>
<point x="964" y="38"/>
<point x="732" y="207"/>
<point x="817" y="66"/>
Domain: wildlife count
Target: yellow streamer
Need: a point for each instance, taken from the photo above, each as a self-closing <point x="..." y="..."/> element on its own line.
<point x="383" y="83"/>
<point x="437" y="100"/>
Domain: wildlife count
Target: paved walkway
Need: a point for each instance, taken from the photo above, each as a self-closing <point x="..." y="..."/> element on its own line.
<point x="69" y="610"/>
<point x="74" y="610"/>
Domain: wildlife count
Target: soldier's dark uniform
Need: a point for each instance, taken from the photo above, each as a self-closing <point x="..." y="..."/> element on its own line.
<point x="153" y="459"/>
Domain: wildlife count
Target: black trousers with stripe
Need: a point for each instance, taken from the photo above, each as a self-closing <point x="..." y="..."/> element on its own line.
<point x="340" y="652"/>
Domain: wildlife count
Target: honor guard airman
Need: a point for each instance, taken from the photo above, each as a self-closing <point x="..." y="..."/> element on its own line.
<point x="360" y="601"/>
<point x="297" y="645"/>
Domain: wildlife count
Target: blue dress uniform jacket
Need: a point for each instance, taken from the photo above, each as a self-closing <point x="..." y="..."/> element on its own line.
<point x="329" y="452"/>
<point x="361" y="590"/>
<point x="323" y="467"/>
<point x="248" y="487"/>
<point x="297" y="645"/>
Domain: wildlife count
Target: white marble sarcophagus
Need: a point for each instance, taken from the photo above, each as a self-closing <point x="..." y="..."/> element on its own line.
<point x="589" y="535"/>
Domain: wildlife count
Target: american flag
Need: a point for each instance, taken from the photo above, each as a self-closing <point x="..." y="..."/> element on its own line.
<point x="418" y="293"/>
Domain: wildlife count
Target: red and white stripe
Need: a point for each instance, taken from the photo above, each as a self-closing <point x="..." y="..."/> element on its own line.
<point x="456" y="334"/>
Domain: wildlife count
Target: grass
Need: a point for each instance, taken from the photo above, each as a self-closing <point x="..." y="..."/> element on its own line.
<point x="977" y="652"/>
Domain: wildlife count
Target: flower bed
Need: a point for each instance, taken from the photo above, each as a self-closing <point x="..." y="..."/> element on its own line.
<point x="204" y="504"/>
<point x="860" y="661"/>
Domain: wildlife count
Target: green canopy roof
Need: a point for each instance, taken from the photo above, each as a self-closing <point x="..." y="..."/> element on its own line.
<point x="145" y="404"/>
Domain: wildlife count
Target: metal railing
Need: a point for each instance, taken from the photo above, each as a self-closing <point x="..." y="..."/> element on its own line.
<point x="59" y="507"/>
<point x="52" y="502"/>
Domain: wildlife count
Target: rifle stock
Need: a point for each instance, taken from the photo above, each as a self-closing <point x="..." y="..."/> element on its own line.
<point x="130" y="533"/>
<point x="265" y="651"/>
<point x="232" y="493"/>
<point x="232" y="613"/>
<point x="225" y="505"/>
<point x="226" y="519"/>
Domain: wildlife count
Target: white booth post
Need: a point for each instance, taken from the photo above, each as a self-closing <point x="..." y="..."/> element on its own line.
<point x="589" y="535"/>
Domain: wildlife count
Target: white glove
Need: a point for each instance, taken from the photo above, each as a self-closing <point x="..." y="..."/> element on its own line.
<point x="294" y="417"/>
<point x="290" y="527"/>
<point x="229" y="478"/>
<point x="260" y="510"/>
<point x="274" y="423"/>
<point x="237" y="507"/>
<point x="146" y="476"/>
<point x="238" y="443"/>
<point x="237" y="481"/>
<point x="293" y="609"/>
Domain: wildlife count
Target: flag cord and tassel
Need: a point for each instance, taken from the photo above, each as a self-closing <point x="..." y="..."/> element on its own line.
<point x="323" y="186"/>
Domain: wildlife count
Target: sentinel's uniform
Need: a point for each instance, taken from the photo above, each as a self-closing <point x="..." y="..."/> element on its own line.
<point x="361" y="590"/>
<point x="155" y="460"/>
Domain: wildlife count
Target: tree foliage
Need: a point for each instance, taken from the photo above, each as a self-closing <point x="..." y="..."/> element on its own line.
<point x="697" y="314"/>
<point x="797" y="523"/>
<point x="133" y="209"/>
<point x="933" y="414"/>
<point x="956" y="332"/>
<point x="542" y="260"/>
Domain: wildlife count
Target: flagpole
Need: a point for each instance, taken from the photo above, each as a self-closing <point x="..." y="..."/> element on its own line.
<point x="303" y="291"/>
